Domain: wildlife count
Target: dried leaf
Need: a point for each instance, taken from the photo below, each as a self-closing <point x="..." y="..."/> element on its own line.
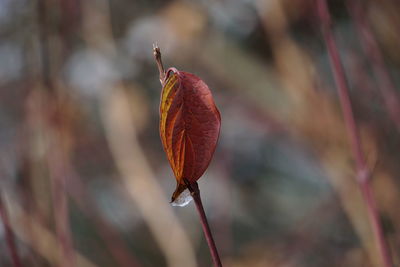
<point x="189" y="126"/>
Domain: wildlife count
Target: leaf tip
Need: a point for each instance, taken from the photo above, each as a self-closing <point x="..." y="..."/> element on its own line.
<point x="156" y="50"/>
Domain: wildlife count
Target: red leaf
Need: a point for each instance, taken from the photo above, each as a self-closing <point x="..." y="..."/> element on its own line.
<point x="189" y="126"/>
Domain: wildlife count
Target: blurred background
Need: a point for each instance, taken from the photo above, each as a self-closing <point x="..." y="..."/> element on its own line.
<point x="84" y="180"/>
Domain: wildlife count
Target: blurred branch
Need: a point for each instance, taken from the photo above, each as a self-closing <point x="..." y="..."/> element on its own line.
<point x="56" y="165"/>
<point x="374" y="54"/>
<point x="9" y="236"/>
<point x="115" y="244"/>
<point x="37" y="237"/>
<point x="130" y="160"/>
<point x="44" y="43"/>
<point x="363" y="174"/>
<point x="305" y="234"/>
<point x="141" y="182"/>
<point x="55" y="153"/>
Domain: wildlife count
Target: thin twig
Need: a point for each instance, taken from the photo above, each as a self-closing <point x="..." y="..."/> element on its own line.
<point x="9" y="235"/>
<point x="195" y="192"/>
<point x="157" y="56"/>
<point x="374" y="54"/>
<point x="363" y="173"/>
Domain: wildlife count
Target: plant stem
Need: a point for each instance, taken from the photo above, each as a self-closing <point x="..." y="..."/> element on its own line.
<point x="9" y="236"/>
<point x="363" y="174"/>
<point x="195" y="192"/>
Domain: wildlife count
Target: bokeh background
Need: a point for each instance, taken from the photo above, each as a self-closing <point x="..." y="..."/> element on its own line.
<point x="84" y="180"/>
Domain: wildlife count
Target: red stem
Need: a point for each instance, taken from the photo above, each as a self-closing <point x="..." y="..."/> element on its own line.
<point x="363" y="174"/>
<point x="195" y="192"/>
<point x="9" y="236"/>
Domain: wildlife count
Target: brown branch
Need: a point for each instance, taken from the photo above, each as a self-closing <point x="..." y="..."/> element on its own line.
<point x="363" y="173"/>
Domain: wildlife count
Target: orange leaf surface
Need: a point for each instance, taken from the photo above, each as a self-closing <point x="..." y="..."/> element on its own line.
<point x="189" y="126"/>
